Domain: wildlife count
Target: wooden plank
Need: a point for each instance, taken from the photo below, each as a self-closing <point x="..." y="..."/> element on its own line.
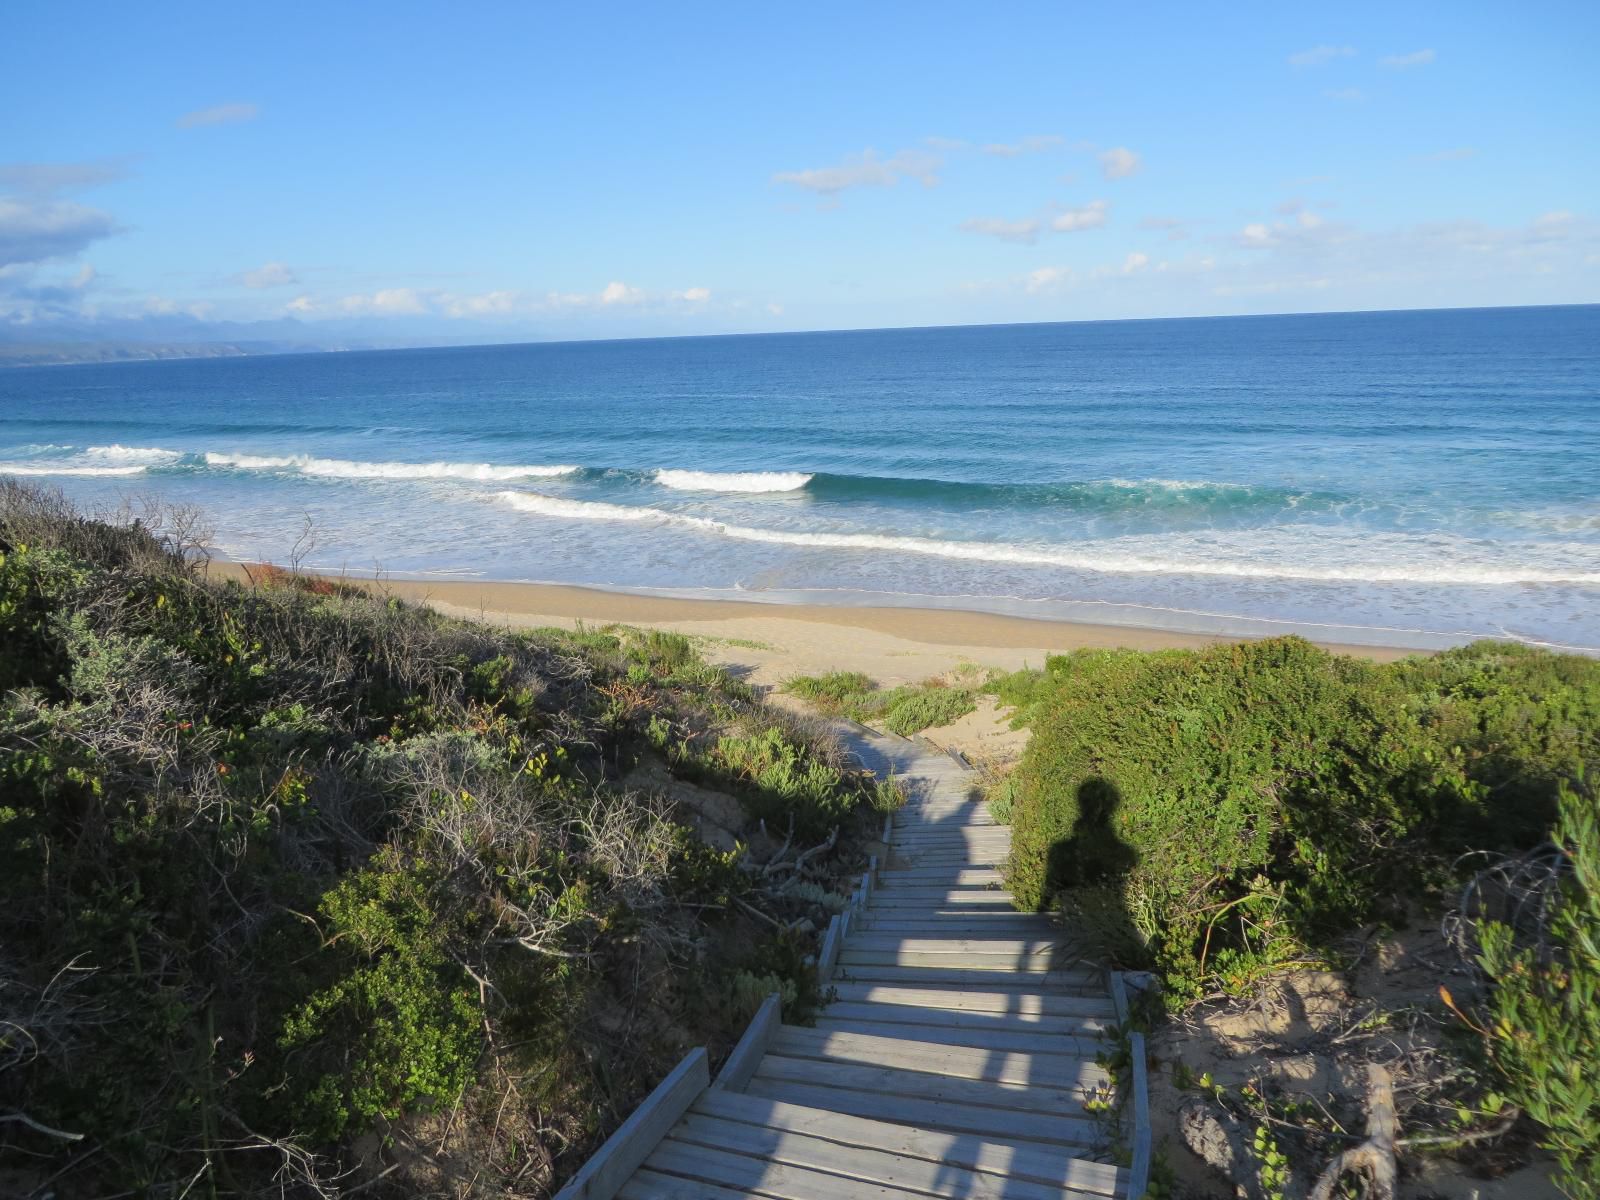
<point x="935" y="1115"/>
<point x="912" y="1015"/>
<point x="958" y="876"/>
<point x="962" y="999"/>
<point x="1056" y="1166"/>
<point x="866" y="1164"/>
<point x="997" y="1066"/>
<point x="998" y="1040"/>
<point x="650" y="1185"/>
<point x="1072" y="980"/>
<point x="850" y="957"/>
<point x="747" y="1053"/>
<point x="623" y="1152"/>
<point x="757" y="1177"/>
<point x="1005" y="944"/>
<point x="1119" y="997"/>
<point x="1139" y="1171"/>
<point x="829" y="954"/>
<point x="925" y="1085"/>
<point x="943" y="899"/>
<point x="979" y="926"/>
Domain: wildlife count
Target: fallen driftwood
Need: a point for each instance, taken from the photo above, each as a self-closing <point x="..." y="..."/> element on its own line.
<point x="1223" y="1141"/>
<point x="1374" y="1157"/>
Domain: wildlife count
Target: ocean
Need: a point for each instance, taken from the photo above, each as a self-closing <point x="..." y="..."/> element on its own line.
<point x="1410" y="478"/>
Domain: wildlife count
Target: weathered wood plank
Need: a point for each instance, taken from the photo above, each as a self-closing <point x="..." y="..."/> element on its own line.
<point x="934" y="1115"/>
<point x="964" y="1000"/>
<point x="627" y="1148"/>
<point x="947" y="1089"/>
<point x="964" y="1062"/>
<point x="1070" y="980"/>
<point x="762" y="1178"/>
<point x="1057" y="1166"/>
<point x="998" y="1040"/>
<point x="1139" y="1170"/>
<point x="747" y="1053"/>
<point x="869" y="1165"/>
<point x="911" y="1015"/>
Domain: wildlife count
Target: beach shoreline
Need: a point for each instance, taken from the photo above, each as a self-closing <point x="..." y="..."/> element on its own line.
<point x="773" y="641"/>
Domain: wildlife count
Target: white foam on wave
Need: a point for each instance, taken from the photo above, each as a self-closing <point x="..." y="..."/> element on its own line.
<point x="343" y="468"/>
<point x="733" y="481"/>
<point x="34" y="468"/>
<point x="144" y="456"/>
<point x="94" y="461"/>
<point x="1397" y="559"/>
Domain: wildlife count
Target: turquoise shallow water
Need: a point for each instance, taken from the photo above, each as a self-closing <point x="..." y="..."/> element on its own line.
<point x="1418" y="477"/>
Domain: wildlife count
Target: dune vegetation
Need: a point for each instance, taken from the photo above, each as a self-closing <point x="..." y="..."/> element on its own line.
<point x="1219" y="816"/>
<point x="305" y="888"/>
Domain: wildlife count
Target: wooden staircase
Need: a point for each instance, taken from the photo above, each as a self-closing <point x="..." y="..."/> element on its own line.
<point x="953" y="1060"/>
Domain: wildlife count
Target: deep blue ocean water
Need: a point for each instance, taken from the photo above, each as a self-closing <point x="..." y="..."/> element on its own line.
<point x="1410" y="477"/>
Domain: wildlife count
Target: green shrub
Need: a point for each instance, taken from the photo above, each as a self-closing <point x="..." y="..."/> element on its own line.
<point x="785" y="780"/>
<point x="831" y="693"/>
<point x="1543" y="1024"/>
<point x="903" y="710"/>
<point x="399" y="1029"/>
<point x="1251" y="802"/>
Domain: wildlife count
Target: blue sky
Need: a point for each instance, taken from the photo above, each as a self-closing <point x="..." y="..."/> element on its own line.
<point x="493" y="171"/>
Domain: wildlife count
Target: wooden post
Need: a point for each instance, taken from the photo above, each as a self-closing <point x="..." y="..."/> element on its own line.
<point x="752" y="1046"/>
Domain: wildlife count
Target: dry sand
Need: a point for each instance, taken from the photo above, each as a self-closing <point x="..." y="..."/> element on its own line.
<point x="768" y="643"/>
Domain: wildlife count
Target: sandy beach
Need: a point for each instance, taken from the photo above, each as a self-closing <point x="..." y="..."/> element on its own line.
<point x="768" y="643"/>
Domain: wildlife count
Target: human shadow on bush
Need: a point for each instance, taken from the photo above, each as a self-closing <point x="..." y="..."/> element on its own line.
<point x="1088" y="870"/>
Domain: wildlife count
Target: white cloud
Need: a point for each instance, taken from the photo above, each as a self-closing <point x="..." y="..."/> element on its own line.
<point x="866" y="169"/>
<point x="1136" y="261"/>
<point x="303" y="306"/>
<point x="695" y="295"/>
<point x="1025" y="230"/>
<point x="47" y="178"/>
<point x="618" y="292"/>
<point x="1318" y="55"/>
<point x="775" y="309"/>
<point x="1089" y="216"/>
<point x="268" y="275"/>
<point x="1417" y="58"/>
<point x="1347" y="95"/>
<point x="1119" y="163"/>
<point x="221" y="114"/>
<point x="1029" y="145"/>
<point x="1256" y="234"/>
<point x="945" y="145"/>
<point x="37" y="229"/>
<point x="489" y="304"/>
<point x="385" y="302"/>
<point x="1047" y="278"/>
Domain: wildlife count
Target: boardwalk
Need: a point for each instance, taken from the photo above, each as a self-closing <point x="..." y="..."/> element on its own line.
<point x="953" y="1060"/>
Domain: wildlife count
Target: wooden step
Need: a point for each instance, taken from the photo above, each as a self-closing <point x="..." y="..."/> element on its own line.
<point x="935" y="1115"/>
<point x="1085" y="1046"/>
<point x="961" y="999"/>
<point x="1057" y="1070"/>
<point x="1056" y="1167"/>
<point x="1071" y="980"/>
<point x="853" y="1164"/>
<point x="914" y="1014"/>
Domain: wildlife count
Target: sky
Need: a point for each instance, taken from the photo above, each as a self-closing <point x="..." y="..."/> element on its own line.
<point x="496" y="171"/>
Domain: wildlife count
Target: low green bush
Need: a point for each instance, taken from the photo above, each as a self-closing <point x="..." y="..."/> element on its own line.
<point x="1542" y="1023"/>
<point x="903" y="710"/>
<point x="1250" y="802"/>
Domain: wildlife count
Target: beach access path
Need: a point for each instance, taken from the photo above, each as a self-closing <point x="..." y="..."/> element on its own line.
<point x="954" y="1059"/>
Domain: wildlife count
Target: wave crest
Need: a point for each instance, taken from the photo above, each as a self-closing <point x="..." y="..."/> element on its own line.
<point x="733" y="481"/>
<point x="1448" y="569"/>
<point x="344" y="468"/>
